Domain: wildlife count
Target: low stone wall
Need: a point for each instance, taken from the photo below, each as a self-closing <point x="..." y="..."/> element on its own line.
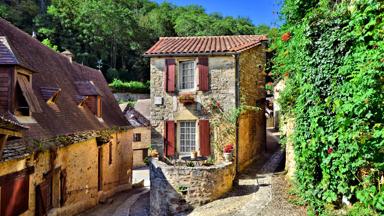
<point x="130" y="96"/>
<point x="176" y="189"/>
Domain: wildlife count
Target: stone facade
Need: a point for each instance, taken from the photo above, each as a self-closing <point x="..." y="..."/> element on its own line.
<point x="222" y="82"/>
<point x="140" y="148"/>
<point x="80" y="163"/>
<point x="176" y="189"/>
<point x="252" y="123"/>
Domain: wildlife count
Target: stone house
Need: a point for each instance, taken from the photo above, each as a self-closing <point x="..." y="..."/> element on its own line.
<point x="187" y="73"/>
<point x="65" y="145"/>
<point x="141" y="139"/>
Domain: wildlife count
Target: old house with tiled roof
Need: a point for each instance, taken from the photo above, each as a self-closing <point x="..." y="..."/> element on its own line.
<point x="141" y="139"/>
<point x="198" y="86"/>
<point x="228" y="69"/>
<point x="65" y="145"/>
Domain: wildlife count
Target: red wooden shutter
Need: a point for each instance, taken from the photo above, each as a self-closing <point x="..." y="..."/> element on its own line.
<point x="170" y="138"/>
<point x="205" y="146"/>
<point x="203" y="74"/>
<point x="170" y="70"/>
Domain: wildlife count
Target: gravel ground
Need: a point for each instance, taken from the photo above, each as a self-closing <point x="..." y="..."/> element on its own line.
<point x="280" y="205"/>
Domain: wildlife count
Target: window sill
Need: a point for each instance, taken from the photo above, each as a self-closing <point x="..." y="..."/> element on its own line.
<point x="26" y="119"/>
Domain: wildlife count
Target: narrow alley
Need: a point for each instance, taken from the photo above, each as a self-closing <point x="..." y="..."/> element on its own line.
<point x="261" y="190"/>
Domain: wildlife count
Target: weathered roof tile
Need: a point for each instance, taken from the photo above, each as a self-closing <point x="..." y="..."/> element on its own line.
<point x="204" y="45"/>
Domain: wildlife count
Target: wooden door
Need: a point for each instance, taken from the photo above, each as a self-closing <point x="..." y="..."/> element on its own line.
<point x="15" y="195"/>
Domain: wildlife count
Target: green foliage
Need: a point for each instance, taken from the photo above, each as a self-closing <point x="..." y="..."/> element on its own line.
<point x="113" y="35"/>
<point x="333" y="68"/>
<point x="49" y="44"/>
<point x="132" y="86"/>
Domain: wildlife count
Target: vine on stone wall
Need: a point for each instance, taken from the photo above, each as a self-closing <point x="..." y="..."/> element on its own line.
<point x="331" y="55"/>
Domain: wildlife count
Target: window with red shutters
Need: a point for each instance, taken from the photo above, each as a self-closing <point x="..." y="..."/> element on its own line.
<point x="204" y="131"/>
<point x="203" y="74"/>
<point x="170" y="70"/>
<point x="170" y="138"/>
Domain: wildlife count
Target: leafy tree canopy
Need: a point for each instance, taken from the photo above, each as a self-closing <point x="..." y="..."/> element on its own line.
<point x="113" y="34"/>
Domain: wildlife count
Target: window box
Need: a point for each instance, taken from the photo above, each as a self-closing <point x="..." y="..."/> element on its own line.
<point x="187" y="99"/>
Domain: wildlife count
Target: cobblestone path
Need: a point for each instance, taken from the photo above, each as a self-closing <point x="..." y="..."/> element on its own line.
<point x="120" y="205"/>
<point x="259" y="190"/>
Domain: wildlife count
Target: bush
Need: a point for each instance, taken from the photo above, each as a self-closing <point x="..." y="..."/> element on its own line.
<point x="333" y="67"/>
<point x="131" y="86"/>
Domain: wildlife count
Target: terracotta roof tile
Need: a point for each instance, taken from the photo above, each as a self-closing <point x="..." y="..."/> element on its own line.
<point x="204" y="45"/>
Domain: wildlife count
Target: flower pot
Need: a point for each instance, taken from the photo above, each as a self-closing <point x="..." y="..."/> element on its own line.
<point x="228" y="156"/>
<point x="193" y="155"/>
<point x="187" y="99"/>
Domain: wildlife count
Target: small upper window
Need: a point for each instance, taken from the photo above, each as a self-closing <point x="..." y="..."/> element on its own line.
<point x="187" y="75"/>
<point x="136" y="137"/>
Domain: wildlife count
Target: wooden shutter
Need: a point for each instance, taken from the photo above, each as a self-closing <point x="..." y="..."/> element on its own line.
<point x="15" y="196"/>
<point x="44" y="197"/>
<point x="28" y="94"/>
<point x="170" y="70"/>
<point x="170" y="138"/>
<point x="205" y="146"/>
<point x="203" y="74"/>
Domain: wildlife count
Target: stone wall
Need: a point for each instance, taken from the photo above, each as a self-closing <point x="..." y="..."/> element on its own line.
<point x="290" y="164"/>
<point x="201" y="184"/>
<point x="252" y="123"/>
<point x="130" y="96"/>
<point x="80" y="162"/>
<point x="222" y="88"/>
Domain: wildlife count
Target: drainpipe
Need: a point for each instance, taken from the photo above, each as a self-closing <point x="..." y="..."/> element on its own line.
<point x="237" y="98"/>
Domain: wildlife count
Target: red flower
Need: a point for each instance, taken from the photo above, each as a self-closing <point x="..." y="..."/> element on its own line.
<point x="286" y="36"/>
<point x="218" y="104"/>
<point x="228" y="148"/>
<point x="330" y="150"/>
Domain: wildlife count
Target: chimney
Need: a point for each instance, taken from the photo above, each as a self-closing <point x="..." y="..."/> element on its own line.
<point x="68" y="54"/>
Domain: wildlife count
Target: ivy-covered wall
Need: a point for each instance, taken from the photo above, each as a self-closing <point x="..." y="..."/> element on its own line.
<point x="331" y="54"/>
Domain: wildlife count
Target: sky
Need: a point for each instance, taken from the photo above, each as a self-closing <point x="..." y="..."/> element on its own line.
<point x="259" y="11"/>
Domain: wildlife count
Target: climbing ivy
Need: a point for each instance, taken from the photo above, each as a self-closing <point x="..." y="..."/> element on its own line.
<point x="331" y="56"/>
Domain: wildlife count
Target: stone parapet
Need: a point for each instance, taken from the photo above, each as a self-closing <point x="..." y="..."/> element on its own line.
<point x="176" y="189"/>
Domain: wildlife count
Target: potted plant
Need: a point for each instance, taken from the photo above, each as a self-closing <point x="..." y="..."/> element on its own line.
<point x="186" y="99"/>
<point x="228" y="149"/>
<point x="153" y="152"/>
<point x="193" y="154"/>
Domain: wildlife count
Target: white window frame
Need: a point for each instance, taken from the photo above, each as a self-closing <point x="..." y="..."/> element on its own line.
<point x="197" y="146"/>
<point x="180" y="75"/>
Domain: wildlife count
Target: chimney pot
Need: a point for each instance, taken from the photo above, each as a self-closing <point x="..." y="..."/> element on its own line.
<point x="68" y="54"/>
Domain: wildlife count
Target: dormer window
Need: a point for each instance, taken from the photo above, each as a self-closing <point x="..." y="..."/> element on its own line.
<point x="90" y="96"/>
<point x="25" y="100"/>
<point x="50" y="94"/>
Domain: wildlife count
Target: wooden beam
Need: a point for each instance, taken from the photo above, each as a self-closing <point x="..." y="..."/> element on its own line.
<point x="10" y="132"/>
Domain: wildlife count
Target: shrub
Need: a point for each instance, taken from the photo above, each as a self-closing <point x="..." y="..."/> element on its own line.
<point x="131" y="86"/>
